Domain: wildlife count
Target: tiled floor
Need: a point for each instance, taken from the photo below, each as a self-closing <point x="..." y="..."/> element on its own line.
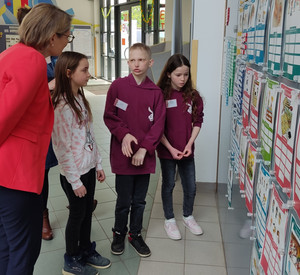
<point x="191" y="255"/>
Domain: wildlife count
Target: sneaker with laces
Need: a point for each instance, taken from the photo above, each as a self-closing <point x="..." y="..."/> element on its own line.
<point x="190" y="223"/>
<point x="172" y="229"/>
<point x="118" y="243"/>
<point x="93" y="258"/>
<point x="139" y="245"/>
<point x="74" y="265"/>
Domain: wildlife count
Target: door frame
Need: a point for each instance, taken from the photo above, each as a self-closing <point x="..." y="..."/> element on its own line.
<point x="118" y="10"/>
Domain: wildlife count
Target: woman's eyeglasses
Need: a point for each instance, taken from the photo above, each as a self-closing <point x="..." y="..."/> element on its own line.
<point x="70" y="37"/>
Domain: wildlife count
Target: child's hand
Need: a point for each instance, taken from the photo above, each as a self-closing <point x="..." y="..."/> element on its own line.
<point x="187" y="151"/>
<point x="80" y="192"/>
<point x="126" y="145"/>
<point x="51" y="85"/>
<point x="176" y="154"/>
<point x="138" y="157"/>
<point x="100" y="175"/>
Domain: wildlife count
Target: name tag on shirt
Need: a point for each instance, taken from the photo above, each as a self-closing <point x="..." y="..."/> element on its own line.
<point x="120" y="104"/>
<point x="171" y="103"/>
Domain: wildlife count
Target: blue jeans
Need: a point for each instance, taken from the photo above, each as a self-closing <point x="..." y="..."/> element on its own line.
<point x="186" y="169"/>
<point x="132" y="191"/>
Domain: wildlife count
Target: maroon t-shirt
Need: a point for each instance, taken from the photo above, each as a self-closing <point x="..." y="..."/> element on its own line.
<point x="139" y="110"/>
<point x="179" y="123"/>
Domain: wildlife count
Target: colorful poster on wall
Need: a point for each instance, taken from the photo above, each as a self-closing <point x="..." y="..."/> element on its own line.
<point x="256" y="92"/>
<point x="246" y="96"/>
<point x="250" y="176"/>
<point x="285" y="135"/>
<point x="235" y="143"/>
<point x="251" y="30"/>
<point x="275" y="36"/>
<point x="291" y="63"/>
<point x="260" y="31"/>
<point x="292" y="255"/>
<point x="240" y="30"/>
<point x="268" y="117"/>
<point x="8" y="36"/>
<point x="237" y="100"/>
<point x="229" y="184"/>
<point x="274" y="243"/>
<point x="9" y="9"/>
<point x="245" y="28"/>
<point x="255" y="267"/>
<point x="262" y="203"/>
<point x="296" y="174"/>
<point x="242" y="158"/>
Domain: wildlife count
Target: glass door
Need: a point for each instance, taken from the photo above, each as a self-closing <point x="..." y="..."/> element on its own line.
<point x="130" y="33"/>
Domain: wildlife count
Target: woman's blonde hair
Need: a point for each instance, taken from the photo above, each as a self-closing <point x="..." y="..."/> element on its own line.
<point x="41" y="23"/>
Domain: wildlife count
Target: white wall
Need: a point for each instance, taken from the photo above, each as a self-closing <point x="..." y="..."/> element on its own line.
<point x="208" y="29"/>
<point x="186" y="19"/>
<point x="83" y="9"/>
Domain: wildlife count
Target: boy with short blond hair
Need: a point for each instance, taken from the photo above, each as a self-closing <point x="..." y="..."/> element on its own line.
<point x="135" y="115"/>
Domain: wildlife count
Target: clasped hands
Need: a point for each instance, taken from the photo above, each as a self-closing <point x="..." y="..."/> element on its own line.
<point x="178" y="155"/>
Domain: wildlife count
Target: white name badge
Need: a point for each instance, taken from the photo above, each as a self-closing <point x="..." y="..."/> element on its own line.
<point x="120" y="104"/>
<point x="171" y="103"/>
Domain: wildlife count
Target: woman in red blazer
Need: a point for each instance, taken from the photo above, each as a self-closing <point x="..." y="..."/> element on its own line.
<point x="26" y="120"/>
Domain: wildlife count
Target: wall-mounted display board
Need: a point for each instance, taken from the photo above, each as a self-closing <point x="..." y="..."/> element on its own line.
<point x="262" y="203"/>
<point x="291" y="63"/>
<point x="256" y="93"/>
<point x="246" y="96"/>
<point x="235" y="143"/>
<point x="260" y="31"/>
<point x="250" y="176"/>
<point x="238" y="88"/>
<point x="275" y="36"/>
<point x="242" y="158"/>
<point x="292" y="252"/>
<point x="285" y="135"/>
<point x="255" y="266"/>
<point x="253" y="4"/>
<point x="246" y="14"/>
<point x="268" y="117"/>
<point x="230" y="184"/>
<point x="8" y="36"/>
<point x="268" y="134"/>
<point x="274" y="243"/>
<point x="296" y="173"/>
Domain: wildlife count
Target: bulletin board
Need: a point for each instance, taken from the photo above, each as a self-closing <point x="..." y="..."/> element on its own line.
<point x="8" y="36"/>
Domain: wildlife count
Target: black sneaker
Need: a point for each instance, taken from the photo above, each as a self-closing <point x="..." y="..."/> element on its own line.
<point x="139" y="245"/>
<point x="93" y="258"/>
<point x="118" y="244"/>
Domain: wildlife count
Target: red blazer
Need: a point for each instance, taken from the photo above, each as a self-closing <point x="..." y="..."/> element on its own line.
<point x="26" y="118"/>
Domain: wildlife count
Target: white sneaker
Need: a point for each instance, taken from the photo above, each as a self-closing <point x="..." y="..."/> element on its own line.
<point x="172" y="229"/>
<point x="190" y="223"/>
<point x="246" y="230"/>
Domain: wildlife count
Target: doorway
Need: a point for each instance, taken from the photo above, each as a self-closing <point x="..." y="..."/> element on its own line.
<point x="128" y="31"/>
